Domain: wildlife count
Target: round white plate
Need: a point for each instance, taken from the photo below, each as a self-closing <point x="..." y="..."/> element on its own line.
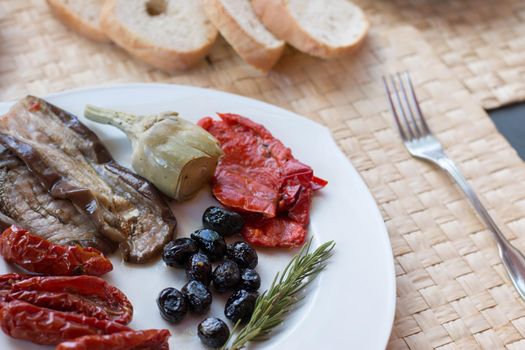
<point x="350" y="306"/>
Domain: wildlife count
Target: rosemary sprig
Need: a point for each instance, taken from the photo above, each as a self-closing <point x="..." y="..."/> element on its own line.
<point x="274" y="304"/>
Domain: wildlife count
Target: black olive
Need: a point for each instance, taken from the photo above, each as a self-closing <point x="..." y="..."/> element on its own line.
<point x="223" y="221"/>
<point x="226" y="276"/>
<point x="243" y="254"/>
<point x="198" y="297"/>
<point x="240" y="306"/>
<point x="213" y="332"/>
<point x="199" y="268"/>
<point x="211" y="243"/>
<point x="172" y="305"/>
<point x="176" y="253"/>
<point x="250" y="280"/>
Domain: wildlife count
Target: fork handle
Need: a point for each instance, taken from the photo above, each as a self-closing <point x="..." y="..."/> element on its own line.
<point x="512" y="258"/>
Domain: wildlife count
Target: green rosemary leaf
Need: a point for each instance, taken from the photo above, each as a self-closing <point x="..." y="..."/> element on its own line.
<point x="274" y="304"/>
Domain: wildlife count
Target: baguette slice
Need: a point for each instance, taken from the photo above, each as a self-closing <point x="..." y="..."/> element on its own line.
<point x="239" y="25"/>
<point x="167" y="34"/>
<point x="81" y="16"/>
<point x="322" y="28"/>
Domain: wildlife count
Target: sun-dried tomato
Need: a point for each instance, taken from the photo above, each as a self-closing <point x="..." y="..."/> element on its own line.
<point x="152" y="339"/>
<point x="274" y="232"/>
<point x="35" y="254"/>
<point x="259" y="177"/>
<point x="250" y="174"/>
<point x="7" y="281"/>
<point x="300" y="210"/>
<point x="318" y="183"/>
<point x="246" y="189"/>
<point x="87" y="295"/>
<point x="22" y="320"/>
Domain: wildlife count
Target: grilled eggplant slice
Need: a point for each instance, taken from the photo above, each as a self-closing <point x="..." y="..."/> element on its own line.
<point x="72" y="164"/>
<point x="26" y="203"/>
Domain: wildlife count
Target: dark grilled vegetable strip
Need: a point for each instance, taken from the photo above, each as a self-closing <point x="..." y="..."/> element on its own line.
<point x="72" y="164"/>
<point x="23" y="198"/>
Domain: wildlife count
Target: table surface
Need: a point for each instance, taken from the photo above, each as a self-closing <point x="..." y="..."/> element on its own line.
<point x="510" y="121"/>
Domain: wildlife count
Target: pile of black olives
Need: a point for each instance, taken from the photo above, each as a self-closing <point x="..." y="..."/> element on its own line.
<point x="233" y="273"/>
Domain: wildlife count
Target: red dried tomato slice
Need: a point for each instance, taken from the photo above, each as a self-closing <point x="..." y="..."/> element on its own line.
<point x="152" y="339"/>
<point x="259" y="175"/>
<point x="293" y="186"/>
<point x="87" y="295"/>
<point x="247" y="189"/>
<point x="242" y="179"/>
<point x="318" y="183"/>
<point x="274" y="232"/>
<point x="7" y="281"/>
<point x="22" y="320"/>
<point x="300" y="210"/>
<point x="35" y="254"/>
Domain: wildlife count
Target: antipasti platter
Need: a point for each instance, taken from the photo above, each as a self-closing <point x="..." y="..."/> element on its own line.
<point x="352" y="299"/>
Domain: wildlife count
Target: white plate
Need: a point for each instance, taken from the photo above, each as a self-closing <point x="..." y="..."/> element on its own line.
<point x="351" y="305"/>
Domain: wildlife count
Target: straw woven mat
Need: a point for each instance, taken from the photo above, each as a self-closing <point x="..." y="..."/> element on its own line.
<point x="483" y="41"/>
<point x="452" y="291"/>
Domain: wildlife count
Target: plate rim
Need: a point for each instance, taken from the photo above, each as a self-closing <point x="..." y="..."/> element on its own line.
<point x="391" y="283"/>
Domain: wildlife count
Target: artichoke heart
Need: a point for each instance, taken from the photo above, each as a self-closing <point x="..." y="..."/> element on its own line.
<point x="177" y="156"/>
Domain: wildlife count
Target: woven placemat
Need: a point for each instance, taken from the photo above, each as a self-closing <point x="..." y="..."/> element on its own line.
<point x="452" y="290"/>
<point x="483" y="42"/>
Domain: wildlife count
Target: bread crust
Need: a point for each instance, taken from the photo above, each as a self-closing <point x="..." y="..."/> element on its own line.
<point x="167" y="59"/>
<point x="248" y="47"/>
<point x="76" y="22"/>
<point x="276" y="16"/>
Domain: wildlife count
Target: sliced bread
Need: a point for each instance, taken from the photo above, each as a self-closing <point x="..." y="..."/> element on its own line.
<point x="239" y="25"/>
<point x="80" y="15"/>
<point x="323" y="28"/>
<point x="168" y="34"/>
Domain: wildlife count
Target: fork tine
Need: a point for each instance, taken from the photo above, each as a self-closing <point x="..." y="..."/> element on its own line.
<point x="393" y="109"/>
<point x="409" y="109"/>
<point x="401" y="108"/>
<point x="424" y="125"/>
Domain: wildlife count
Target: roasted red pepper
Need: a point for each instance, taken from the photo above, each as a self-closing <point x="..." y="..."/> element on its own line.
<point x="22" y="320"/>
<point x="38" y="255"/>
<point x="86" y="295"/>
<point x="153" y="339"/>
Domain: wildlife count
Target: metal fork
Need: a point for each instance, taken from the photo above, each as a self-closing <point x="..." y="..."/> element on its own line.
<point x="420" y="142"/>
